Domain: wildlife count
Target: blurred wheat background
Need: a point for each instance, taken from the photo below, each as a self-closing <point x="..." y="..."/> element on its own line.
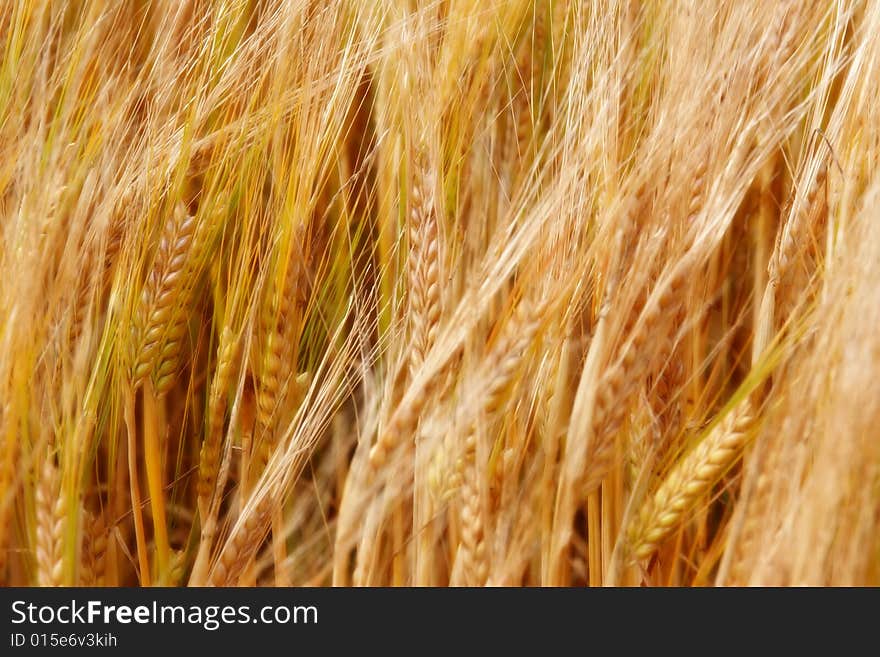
<point x="439" y="292"/>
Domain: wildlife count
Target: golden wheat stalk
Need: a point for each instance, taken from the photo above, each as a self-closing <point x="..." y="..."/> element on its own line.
<point x="424" y="259"/>
<point x="619" y="382"/>
<point x="689" y="481"/>
<point x="280" y="327"/>
<point x="93" y="565"/>
<point x="472" y="551"/>
<point x="424" y="277"/>
<point x="160" y="325"/>
<point x="242" y="544"/>
<point x="209" y="455"/>
<point x="50" y="513"/>
<point x="496" y="376"/>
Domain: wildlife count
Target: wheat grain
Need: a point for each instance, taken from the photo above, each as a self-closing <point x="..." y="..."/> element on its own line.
<point x="160" y="326"/>
<point x="280" y="327"/>
<point x="424" y="259"/>
<point x="499" y="370"/>
<point x="50" y="512"/>
<point x="472" y="551"/>
<point x="688" y="481"/>
<point x="241" y="545"/>
<point x="620" y="381"/>
<point x="94" y="550"/>
<point x="209" y="455"/>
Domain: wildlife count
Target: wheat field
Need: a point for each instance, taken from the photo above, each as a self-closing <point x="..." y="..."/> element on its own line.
<point x="439" y="292"/>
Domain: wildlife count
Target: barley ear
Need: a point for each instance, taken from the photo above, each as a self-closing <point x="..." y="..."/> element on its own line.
<point x="50" y="513"/>
<point x="688" y="481"/>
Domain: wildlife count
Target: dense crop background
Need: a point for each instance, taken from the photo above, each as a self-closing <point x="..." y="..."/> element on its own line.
<point x="459" y="292"/>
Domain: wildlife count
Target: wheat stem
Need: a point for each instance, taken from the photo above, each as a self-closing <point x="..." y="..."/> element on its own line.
<point x="135" y="490"/>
